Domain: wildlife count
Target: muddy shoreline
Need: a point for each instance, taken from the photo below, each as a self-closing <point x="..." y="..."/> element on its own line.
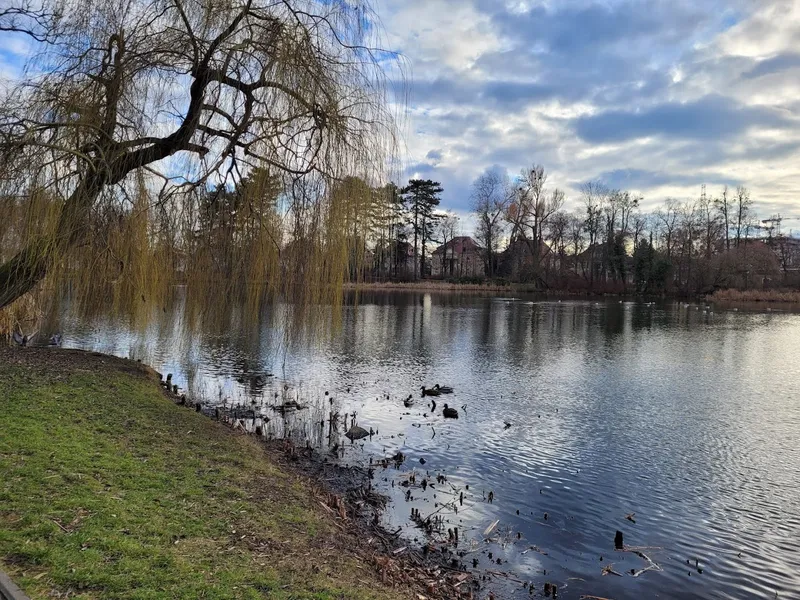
<point x="437" y="570"/>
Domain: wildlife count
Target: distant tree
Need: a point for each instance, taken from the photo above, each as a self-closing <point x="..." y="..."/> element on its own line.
<point x="558" y="232"/>
<point x="742" y="203"/>
<point x="422" y="198"/>
<point x="231" y="221"/>
<point x="651" y="271"/>
<point x="628" y="204"/>
<point x="688" y="224"/>
<point x="398" y="231"/>
<point x="617" y="257"/>
<point x="723" y="204"/>
<point x="668" y="218"/>
<point x="710" y="223"/>
<point x="638" y="225"/>
<point x="576" y="236"/>
<point x="390" y="220"/>
<point x="491" y="195"/>
<point x="530" y="210"/>
<point x="618" y="207"/>
<point x="447" y="228"/>
<point x="594" y="196"/>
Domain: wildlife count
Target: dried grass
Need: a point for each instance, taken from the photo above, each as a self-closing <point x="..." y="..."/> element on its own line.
<point x="770" y="295"/>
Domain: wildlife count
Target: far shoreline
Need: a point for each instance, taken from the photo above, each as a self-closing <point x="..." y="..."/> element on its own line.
<point x="723" y="296"/>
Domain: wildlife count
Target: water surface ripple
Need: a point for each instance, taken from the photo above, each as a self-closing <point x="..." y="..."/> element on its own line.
<point x="686" y="416"/>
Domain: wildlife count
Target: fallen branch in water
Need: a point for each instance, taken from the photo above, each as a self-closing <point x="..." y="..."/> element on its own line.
<point x="652" y="566"/>
<point x="504" y="576"/>
<point x="490" y="528"/>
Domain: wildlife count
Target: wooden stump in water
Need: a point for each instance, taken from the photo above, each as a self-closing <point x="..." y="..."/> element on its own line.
<point x="618" y="540"/>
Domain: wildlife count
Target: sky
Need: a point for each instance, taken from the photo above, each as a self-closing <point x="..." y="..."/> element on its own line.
<point x="652" y="96"/>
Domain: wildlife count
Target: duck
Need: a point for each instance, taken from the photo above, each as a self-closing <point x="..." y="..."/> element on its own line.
<point x="443" y="389"/>
<point x="408" y="401"/>
<point x="449" y="413"/>
<point x="430" y="392"/>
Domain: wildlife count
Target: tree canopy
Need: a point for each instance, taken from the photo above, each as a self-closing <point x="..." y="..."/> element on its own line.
<point x="155" y="111"/>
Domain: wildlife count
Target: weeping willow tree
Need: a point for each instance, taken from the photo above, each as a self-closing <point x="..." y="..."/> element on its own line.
<point x="206" y="142"/>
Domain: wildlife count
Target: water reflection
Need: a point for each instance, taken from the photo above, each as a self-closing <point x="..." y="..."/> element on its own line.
<point x="681" y="414"/>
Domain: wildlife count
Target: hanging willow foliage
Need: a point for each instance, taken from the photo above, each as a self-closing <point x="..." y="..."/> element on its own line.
<point x="233" y="146"/>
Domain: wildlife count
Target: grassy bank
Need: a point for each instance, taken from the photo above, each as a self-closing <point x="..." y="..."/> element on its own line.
<point x="792" y="296"/>
<point x="109" y="490"/>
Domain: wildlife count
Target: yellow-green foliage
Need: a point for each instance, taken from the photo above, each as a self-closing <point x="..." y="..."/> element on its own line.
<point x="247" y="245"/>
<point x="118" y="197"/>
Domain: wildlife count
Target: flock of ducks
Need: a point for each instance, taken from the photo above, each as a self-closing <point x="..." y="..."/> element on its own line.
<point x="437" y="390"/>
<point x="707" y="308"/>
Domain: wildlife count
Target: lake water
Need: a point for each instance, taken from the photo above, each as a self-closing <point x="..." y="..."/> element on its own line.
<point x="687" y="418"/>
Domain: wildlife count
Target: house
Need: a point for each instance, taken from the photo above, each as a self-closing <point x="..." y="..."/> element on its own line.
<point x="460" y="257"/>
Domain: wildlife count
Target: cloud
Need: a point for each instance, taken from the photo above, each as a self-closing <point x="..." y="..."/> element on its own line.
<point x="455" y="90"/>
<point x="434" y="155"/>
<point x="776" y="64"/>
<point x="711" y="117"/>
<point x="604" y="88"/>
<point x="420" y="170"/>
<point x="636" y="179"/>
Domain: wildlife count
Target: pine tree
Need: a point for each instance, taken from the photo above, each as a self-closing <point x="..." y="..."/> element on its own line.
<point x="421" y="197"/>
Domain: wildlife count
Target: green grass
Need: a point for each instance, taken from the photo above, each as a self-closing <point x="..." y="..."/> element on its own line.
<point x="109" y="490"/>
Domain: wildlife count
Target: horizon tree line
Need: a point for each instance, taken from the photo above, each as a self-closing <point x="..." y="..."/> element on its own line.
<point x="610" y="243"/>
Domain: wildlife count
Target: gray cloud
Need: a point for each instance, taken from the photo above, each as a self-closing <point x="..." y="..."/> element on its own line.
<point x="711" y="117"/>
<point x="420" y="169"/>
<point x="434" y="155"/>
<point x="643" y="179"/>
<point x="776" y="64"/>
<point x="670" y="70"/>
<point x="453" y="89"/>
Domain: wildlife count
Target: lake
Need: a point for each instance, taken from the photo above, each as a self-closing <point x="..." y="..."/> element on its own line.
<point x="573" y="415"/>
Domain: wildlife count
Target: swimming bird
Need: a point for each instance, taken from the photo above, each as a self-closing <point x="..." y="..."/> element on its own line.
<point x="430" y="392"/>
<point x="408" y="401"/>
<point x="444" y="389"/>
<point x="449" y="413"/>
